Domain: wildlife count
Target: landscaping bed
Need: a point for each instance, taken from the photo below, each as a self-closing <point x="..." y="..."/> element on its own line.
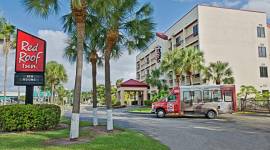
<point x="90" y="138"/>
<point x="143" y="110"/>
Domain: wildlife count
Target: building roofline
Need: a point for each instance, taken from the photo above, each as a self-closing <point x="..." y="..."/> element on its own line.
<point x="233" y="8"/>
<point x="205" y="5"/>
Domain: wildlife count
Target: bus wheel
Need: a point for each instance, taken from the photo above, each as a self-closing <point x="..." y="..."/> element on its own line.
<point x="211" y="114"/>
<point x="160" y="113"/>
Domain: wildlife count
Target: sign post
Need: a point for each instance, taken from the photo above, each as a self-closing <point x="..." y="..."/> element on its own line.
<point x="29" y="63"/>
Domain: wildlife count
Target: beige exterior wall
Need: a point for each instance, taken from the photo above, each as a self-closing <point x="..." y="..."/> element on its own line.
<point x="231" y="36"/>
<point x="224" y="34"/>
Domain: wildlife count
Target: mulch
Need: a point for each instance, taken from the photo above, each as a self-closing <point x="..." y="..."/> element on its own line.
<point x="95" y="131"/>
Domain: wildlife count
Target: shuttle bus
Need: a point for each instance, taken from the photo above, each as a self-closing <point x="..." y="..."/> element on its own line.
<point x="210" y="100"/>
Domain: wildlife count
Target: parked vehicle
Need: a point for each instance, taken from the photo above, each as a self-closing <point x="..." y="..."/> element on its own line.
<point x="210" y="100"/>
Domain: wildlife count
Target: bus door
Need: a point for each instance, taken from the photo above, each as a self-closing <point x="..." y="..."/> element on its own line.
<point x="227" y="105"/>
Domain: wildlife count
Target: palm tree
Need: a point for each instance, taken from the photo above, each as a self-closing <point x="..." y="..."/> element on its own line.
<point x="193" y="61"/>
<point x="94" y="41"/>
<point x="219" y="72"/>
<point x="153" y="79"/>
<point x="119" y="81"/>
<point x="78" y="8"/>
<point x="55" y="74"/>
<point x="7" y="31"/>
<point x="173" y="61"/>
<point x="126" y="27"/>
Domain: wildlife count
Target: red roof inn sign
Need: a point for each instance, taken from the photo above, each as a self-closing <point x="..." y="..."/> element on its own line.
<point x="30" y="59"/>
<point x="30" y="54"/>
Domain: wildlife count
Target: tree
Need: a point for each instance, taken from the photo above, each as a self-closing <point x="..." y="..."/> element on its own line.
<point x="193" y="61"/>
<point x="78" y="8"/>
<point x="61" y="94"/>
<point x="153" y="79"/>
<point x="173" y="61"/>
<point x="219" y="72"/>
<point x="55" y="74"/>
<point x="7" y="31"/>
<point x="125" y="27"/>
<point x="119" y="81"/>
<point x="245" y="93"/>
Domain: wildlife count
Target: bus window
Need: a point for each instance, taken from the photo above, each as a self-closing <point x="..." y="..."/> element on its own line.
<point x="187" y="96"/>
<point x="228" y="97"/>
<point x="207" y="96"/>
<point x="171" y="98"/>
<point x="217" y="96"/>
<point x="197" y="97"/>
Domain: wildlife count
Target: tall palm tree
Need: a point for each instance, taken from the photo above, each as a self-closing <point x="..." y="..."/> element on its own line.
<point x="78" y="8"/>
<point x="94" y="41"/>
<point x="125" y="26"/>
<point x="193" y="61"/>
<point x="7" y="31"/>
<point x="219" y="72"/>
<point x="173" y="61"/>
<point x="55" y="74"/>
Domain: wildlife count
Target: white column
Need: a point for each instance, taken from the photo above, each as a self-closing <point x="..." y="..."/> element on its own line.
<point x="122" y="96"/>
<point x="145" y="95"/>
<point x="139" y="98"/>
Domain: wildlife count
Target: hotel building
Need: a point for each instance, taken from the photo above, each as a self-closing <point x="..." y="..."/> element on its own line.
<point x="239" y="37"/>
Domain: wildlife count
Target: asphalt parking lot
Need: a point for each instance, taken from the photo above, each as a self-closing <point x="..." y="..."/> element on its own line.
<point x="228" y="132"/>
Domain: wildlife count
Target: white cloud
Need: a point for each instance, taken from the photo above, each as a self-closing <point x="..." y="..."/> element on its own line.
<point x="10" y="72"/>
<point x="226" y="3"/>
<point x="56" y="42"/>
<point x="258" y="5"/>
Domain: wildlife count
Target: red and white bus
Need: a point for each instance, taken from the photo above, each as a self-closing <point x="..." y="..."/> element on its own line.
<point x="210" y="100"/>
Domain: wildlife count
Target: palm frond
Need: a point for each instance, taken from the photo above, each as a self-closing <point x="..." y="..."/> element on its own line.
<point x="42" y="8"/>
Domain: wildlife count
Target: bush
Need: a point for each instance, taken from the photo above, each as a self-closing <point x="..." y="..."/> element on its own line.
<point x="29" y="117"/>
<point x="118" y="103"/>
<point x="148" y="103"/>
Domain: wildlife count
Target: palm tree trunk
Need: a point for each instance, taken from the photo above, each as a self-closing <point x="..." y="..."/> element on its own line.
<point x="94" y="84"/>
<point x="108" y="91"/>
<point x="5" y="77"/>
<point x="74" y="129"/>
<point x="112" y="38"/>
<point x="190" y="78"/>
<point x="177" y="80"/>
<point x="52" y="93"/>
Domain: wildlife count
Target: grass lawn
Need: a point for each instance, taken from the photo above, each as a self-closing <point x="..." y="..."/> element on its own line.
<point x="140" y="110"/>
<point x="119" y="140"/>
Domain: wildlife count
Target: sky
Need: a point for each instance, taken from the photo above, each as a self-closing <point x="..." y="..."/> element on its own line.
<point x="166" y="12"/>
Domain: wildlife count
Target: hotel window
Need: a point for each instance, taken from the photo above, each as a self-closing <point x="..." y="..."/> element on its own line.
<point x="263" y="72"/>
<point x="261" y="32"/>
<point x="178" y="41"/>
<point x="262" y="51"/>
<point x="196" y="47"/>
<point x="195" y="30"/>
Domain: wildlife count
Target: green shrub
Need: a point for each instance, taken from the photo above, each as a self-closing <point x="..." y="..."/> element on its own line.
<point x="148" y="103"/>
<point x="118" y="103"/>
<point x="29" y="117"/>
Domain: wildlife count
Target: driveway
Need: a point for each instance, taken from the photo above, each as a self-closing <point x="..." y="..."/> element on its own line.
<point x="229" y="132"/>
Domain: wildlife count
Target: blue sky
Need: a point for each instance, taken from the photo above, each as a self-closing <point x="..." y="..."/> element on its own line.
<point x="166" y="12"/>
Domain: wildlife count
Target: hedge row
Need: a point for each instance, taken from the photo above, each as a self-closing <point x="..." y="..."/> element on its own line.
<point x="29" y="117"/>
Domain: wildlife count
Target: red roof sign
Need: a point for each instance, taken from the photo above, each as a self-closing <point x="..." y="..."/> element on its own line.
<point x="30" y="53"/>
